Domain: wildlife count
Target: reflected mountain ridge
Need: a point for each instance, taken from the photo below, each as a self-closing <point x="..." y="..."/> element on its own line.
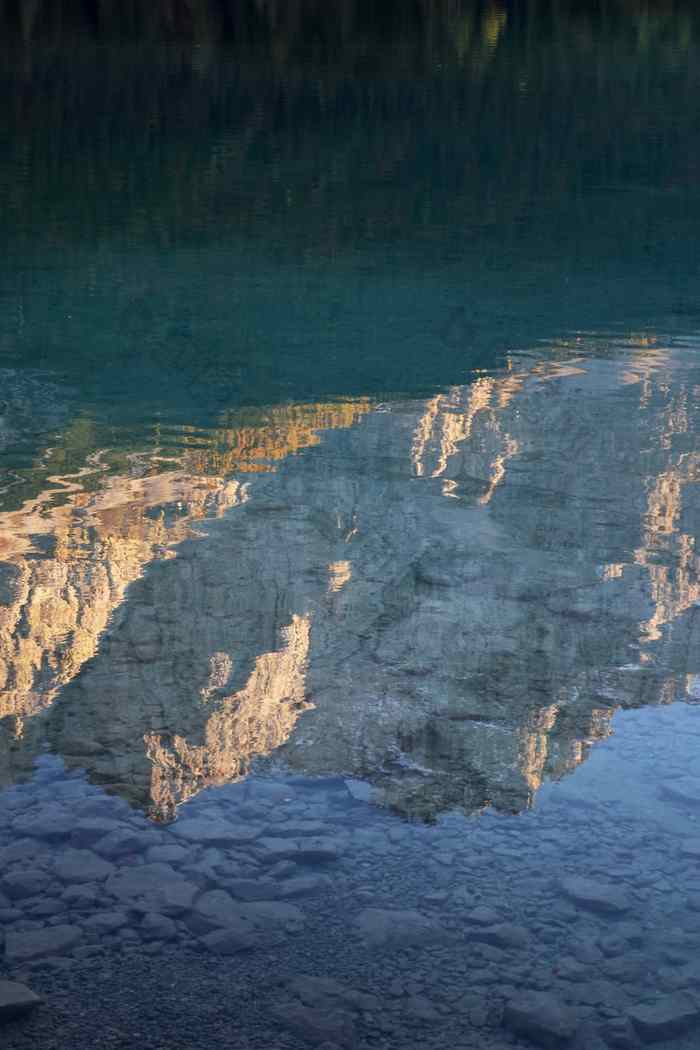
<point x="446" y="597"/>
<point x="69" y="554"/>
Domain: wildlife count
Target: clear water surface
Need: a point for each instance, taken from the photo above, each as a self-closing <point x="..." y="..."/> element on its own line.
<point x="349" y="515"/>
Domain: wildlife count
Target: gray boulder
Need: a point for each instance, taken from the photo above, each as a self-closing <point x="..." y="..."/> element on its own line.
<point x="389" y="927"/>
<point x="20" y="884"/>
<point x="16" y="1000"/>
<point x="152" y="887"/>
<point x="81" y="865"/>
<point x="539" y="1017"/>
<point x="25" y="945"/>
<point x="667" y="1018"/>
<point x="155" y="927"/>
<point x="600" y="897"/>
<point x="207" y="831"/>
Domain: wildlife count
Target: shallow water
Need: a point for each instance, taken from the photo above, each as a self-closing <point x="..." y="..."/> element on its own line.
<point x="349" y="510"/>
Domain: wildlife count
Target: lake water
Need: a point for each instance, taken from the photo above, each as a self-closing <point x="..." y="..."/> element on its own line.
<point x="349" y="526"/>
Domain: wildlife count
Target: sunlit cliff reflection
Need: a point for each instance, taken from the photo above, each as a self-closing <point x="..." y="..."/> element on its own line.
<point x="338" y="614"/>
<point x="252" y="721"/>
<point x="70" y="553"/>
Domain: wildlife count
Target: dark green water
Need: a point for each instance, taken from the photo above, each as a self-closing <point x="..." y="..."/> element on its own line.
<point x="349" y="518"/>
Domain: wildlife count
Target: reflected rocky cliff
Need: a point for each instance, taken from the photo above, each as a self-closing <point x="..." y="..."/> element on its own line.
<point x="69" y="553"/>
<point x="448" y="597"/>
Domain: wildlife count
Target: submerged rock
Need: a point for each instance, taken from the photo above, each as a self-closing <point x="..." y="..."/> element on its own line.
<point x="505" y="935"/>
<point x="106" y="921"/>
<point x="483" y="916"/>
<point x="47" y="822"/>
<point x="539" y="1017"/>
<point x="595" y="896"/>
<point x="320" y="849"/>
<point x="317" y="1026"/>
<point x="685" y="790"/>
<point x="125" y="840"/>
<point x="671" y="1016"/>
<point x="388" y="927"/>
<point x="326" y="992"/>
<point x="16" y="1000"/>
<point x="25" y="945"/>
<point x="81" y="865"/>
<point x="20" y="884"/>
<point x="216" y="909"/>
<point x="211" y="832"/>
<point x="230" y="941"/>
<point x="157" y="927"/>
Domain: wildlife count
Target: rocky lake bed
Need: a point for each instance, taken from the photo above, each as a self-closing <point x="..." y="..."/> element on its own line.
<point x="325" y="921"/>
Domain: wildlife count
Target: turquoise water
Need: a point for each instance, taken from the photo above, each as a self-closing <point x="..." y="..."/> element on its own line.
<point x="349" y="516"/>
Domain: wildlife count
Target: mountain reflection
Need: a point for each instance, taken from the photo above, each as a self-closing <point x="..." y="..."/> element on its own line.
<point x="70" y="552"/>
<point x="334" y="612"/>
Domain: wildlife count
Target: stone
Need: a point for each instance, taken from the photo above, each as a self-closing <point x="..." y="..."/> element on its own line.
<point x="685" y="790"/>
<point x="207" y="831"/>
<point x="118" y="843"/>
<point x="569" y="969"/>
<point x="483" y="916"/>
<point x="297" y="828"/>
<point x="217" y="909"/>
<point x="25" y="851"/>
<point x="317" y="1026"/>
<point x="16" y="1000"/>
<point x="152" y="887"/>
<point x="20" y="884"/>
<point x="167" y="854"/>
<point x="479" y="1016"/>
<point x="599" y="897"/>
<point x="46" y="908"/>
<point x="51" y="823"/>
<point x="619" y="1034"/>
<point x="277" y="849"/>
<point x="540" y="1018"/>
<point x="505" y="935"/>
<point x="82" y="865"/>
<point x="436" y="898"/>
<point x="666" y="1018"/>
<point x="326" y="993"/>
<point x="155" y="927"/>
<point x="421" y="1008"/>
<point x="89" y="830"/>
<point x="81" y="895"/>
<point x="270" y="790"/>
<point x="389" y="927"/>
<point x="172" y="898"/>
<point x="586" y="951"/>
<point x="230" y="941"/>
<point x="253" y="889"/>
<point x="319" y="849"/>
<point x="33" y="944"/>
<point x="632" y="966"/>
<point x="303" y="885"/>
<point x="130" y="884"/>
<point x="360" y="790"/>
<point x="106" y="921"/>
<point x="444" y="857"/>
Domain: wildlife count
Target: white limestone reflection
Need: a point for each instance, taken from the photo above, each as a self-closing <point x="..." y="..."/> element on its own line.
<point x="345" y="617"/>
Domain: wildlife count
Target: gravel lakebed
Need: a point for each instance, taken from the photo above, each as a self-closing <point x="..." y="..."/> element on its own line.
<point x="294" y="913"/>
